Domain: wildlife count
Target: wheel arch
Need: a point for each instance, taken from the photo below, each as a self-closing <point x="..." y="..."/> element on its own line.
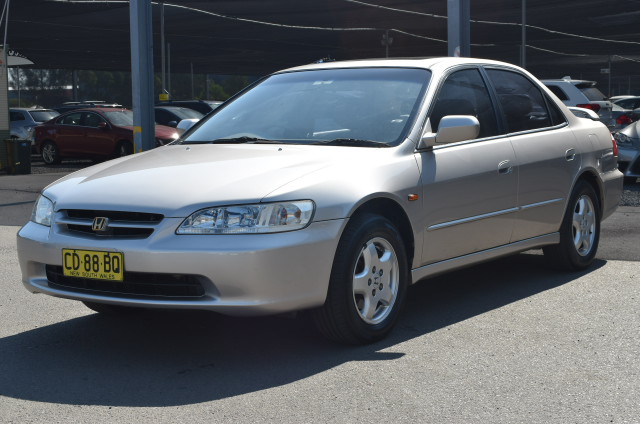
<point x="392" y="211"/>
<point x="592" y="179"/>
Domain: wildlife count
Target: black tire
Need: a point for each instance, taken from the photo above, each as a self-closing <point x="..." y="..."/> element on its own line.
<point x="50" y="153"/>
<point x="579" y="232"/>
<point x="364" y="313"/>
<point x="124" y="148"/>
<point x="113" y="310"/>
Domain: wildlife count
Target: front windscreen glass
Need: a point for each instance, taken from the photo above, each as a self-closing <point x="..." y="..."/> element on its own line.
<point x="371" y="107"/>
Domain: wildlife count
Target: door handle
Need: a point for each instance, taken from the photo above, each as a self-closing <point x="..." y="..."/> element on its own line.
<point x="504" y="167"/>
<point x="570" y="155"/>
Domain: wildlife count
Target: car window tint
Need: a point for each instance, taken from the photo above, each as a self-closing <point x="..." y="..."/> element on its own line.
<point x="465" y="93"/>
<point x="71" y="119"/>
<point x="16" y="116"/>
<point x="556" y="116"/>
<point x="163" y="117"/>
<point x="91" y="119"/>
<point x="558" y="92"/>
<point x="523" y="105"/>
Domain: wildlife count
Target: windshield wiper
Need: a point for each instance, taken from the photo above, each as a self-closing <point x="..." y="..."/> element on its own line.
<point x="243" y="139"/>
<point x="352" y="142"/>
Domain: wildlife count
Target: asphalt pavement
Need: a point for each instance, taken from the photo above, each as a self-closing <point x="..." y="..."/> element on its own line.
<point x="504" y="342"/>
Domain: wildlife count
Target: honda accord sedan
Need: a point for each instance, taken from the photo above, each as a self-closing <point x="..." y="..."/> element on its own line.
<point x="328" y="189"/>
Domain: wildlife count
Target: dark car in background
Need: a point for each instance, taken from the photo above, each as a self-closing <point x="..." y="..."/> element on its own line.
<point x="202" y="106"/>
<point x="69" y="106"/>
<point x="93" y="133"/>
<point x="172" y="115"/>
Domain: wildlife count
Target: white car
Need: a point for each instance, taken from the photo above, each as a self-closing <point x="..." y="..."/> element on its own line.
<point x="584" y="94"/>
<point x="329" y="189"/>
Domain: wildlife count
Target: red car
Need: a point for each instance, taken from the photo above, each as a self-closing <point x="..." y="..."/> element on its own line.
<point x="93" y="133"/>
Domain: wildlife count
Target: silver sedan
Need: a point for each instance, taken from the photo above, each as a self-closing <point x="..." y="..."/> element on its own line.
<point x="328" y="189"/>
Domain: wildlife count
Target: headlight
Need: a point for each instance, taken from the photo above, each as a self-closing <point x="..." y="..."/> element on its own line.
<point x="42" y="211"/>
<point x="250" y="219"/>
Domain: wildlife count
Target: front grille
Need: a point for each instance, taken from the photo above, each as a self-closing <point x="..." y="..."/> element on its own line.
<point x="121" y="224"/>
<point x="135" y="284"/>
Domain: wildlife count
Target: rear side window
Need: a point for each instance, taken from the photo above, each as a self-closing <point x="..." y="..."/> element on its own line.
<point x="558" y="92"/>
<point x="16" y="116"/>
<point x="523" y="105"/>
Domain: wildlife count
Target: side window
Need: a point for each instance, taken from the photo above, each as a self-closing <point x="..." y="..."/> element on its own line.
<point x="16" y="116"/>
<point x="465" y="93"/>
<point x="71" y="119"/>
<point x="91" y="119"/>
<point x="523" y="105"/>
<point x="558" y="92"/>
<point x="163" y="117"/>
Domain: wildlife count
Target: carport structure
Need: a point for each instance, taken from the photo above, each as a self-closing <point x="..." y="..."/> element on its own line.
<point x="255" y="37"/>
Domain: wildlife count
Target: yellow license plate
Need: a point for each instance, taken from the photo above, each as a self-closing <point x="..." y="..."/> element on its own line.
<point x="93" y="264"/>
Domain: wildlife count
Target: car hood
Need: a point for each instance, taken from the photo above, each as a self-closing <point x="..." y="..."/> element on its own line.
<point x="176" y="180"/>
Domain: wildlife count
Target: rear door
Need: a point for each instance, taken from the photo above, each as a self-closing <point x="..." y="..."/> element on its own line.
<point x="547" y="152"/>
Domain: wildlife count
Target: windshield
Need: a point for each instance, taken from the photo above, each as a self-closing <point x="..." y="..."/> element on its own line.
<point x="371" y="107"/>
<point x="185" y="113"/>
<point x="43" y="115"/>
<point x="121" y="118"/>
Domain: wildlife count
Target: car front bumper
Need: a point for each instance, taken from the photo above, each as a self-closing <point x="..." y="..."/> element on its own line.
<point x="249" y="274"/>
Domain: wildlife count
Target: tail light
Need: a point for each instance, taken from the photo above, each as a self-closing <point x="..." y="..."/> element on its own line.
<point x="593" y="106"/>
<point x="624" y="120"/>
<point x="615" y="146"/>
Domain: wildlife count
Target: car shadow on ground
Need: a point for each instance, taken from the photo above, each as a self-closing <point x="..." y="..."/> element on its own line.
<point x="180" y="358"/>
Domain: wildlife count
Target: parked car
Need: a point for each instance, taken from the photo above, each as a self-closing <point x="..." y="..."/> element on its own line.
<point x="69" y="106"/>
<point x="583" y="94"/>
<point x="171" y="115"/>
<point x="95" y="133"/>
<point x="629" y="151"/>
<point x="24" y="120"/>
<point x="202" y="106"/>
<point x="328" y="189"/>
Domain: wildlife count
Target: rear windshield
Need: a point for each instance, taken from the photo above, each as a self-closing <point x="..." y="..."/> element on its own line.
<point x="43" y="115"/>
<point x="593" y="94"/>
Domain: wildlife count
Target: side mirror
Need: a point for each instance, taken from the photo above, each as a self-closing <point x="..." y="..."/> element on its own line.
<point x="185" y="124"/>
<point x="172" y="124"/>
<point x="103" y="125"/>
<point x="452" y="128"/>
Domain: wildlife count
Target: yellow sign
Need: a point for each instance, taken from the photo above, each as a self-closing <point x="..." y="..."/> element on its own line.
<point x="164" y="97"/>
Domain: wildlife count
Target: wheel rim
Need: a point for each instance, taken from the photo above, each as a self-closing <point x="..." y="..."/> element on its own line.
<point x="584" y="225"/>
<point x="375" y="281"/>
<point x="48" y="153"/>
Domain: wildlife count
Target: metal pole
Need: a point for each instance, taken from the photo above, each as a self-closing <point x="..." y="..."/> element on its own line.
<point x="162" y="57"/>
<point x="169" y="69"/>
<point x="458" y="28"/>
<point x="192" y="90"/>
<point x="523" y="48"/>
<point x="74" y="78"/>
<point x="609" y="93"/>
<point x="142" y="74"/>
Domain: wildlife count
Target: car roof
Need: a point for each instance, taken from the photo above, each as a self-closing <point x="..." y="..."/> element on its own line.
<point x="30" y="109"/>
<point x="98" y="109"/>
<point x="414" y="62"/>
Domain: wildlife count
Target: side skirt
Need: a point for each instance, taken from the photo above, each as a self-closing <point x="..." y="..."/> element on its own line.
<point x="483" y="256"/>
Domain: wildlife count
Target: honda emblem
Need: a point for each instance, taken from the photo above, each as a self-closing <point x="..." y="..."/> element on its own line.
<point x="100" y="224"/>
